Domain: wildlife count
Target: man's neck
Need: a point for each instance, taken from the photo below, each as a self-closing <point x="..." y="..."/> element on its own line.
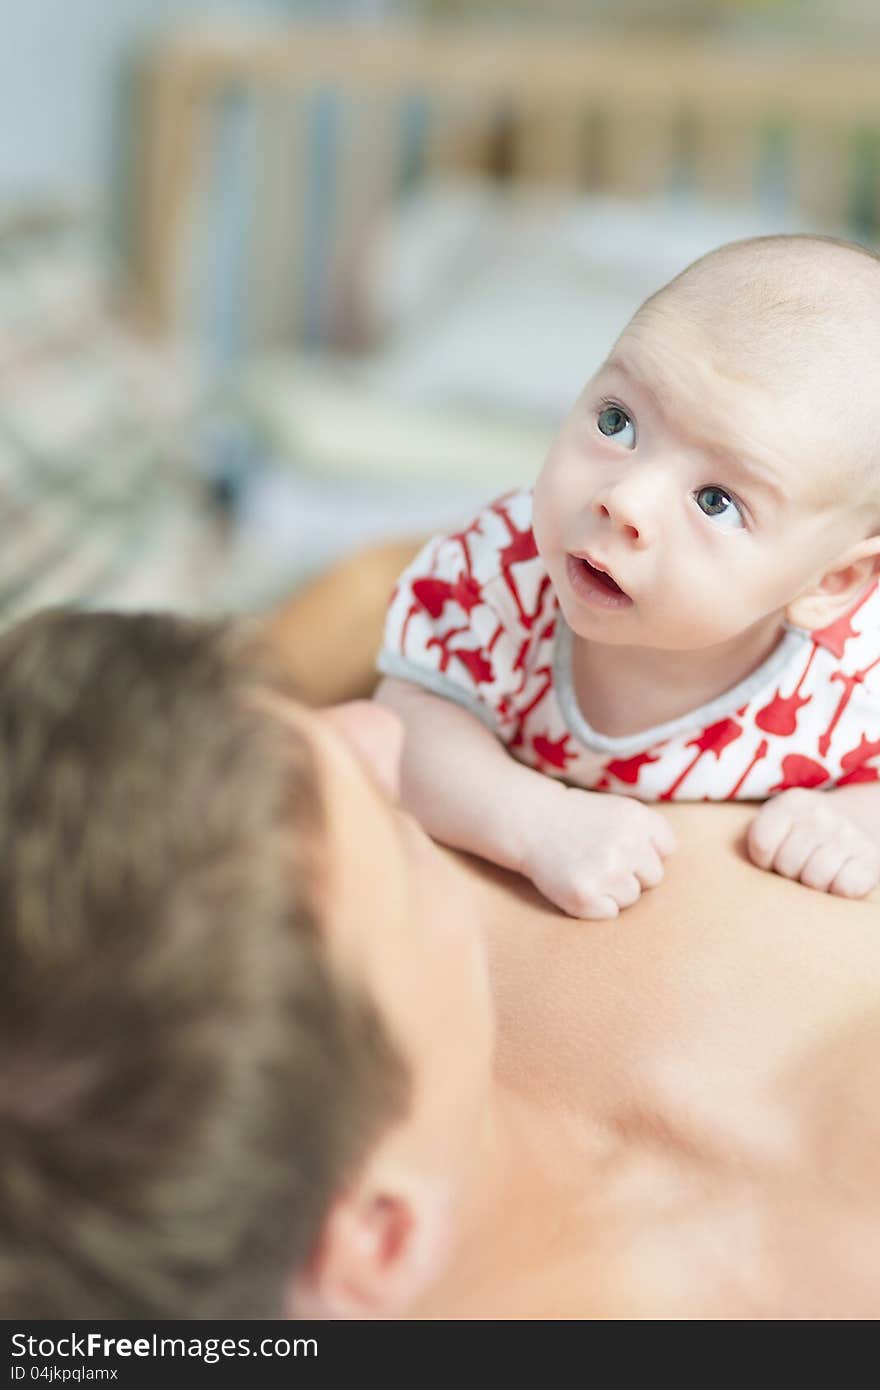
<point x="569" y="1219"/>
<point x="623" y="690"/>
<point x="528" y="1216"/>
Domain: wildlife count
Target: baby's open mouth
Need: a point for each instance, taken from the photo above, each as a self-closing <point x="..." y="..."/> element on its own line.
<point x="602" y="578"/>
<point x="594" y="585"/>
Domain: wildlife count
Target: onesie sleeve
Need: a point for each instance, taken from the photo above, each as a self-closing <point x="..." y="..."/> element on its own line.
<point x="454" y="623"/>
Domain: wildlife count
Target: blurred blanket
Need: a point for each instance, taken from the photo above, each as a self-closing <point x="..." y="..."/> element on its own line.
<point x="101" y="498"/>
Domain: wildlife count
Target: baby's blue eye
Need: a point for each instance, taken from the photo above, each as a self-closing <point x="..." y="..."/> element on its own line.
<point x="714" y="502"/>
<point x="616" y="424"/>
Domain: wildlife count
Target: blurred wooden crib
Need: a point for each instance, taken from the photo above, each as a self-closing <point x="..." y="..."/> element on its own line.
<point x="263" y="152"/>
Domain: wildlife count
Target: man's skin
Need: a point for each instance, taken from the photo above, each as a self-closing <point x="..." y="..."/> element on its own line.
<point x="687" y="1111"/>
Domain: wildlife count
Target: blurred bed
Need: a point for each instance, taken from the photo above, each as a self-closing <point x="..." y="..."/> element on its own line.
<point x="409" y="247"/>
<point x="105" y="496"/>
<point x="377" y="264"/>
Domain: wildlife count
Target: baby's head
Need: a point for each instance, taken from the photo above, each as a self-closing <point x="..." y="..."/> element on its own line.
<point x="723" y="465"/>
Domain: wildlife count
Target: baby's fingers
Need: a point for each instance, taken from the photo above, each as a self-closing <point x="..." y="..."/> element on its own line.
<point x="584" y="897"/>
<point x="603" y="900"/>
<point x="858" y="876"/>
<point x="625" y="889"/>
<point x="767" y="833"/>
<point x="663" y="836"/>
<point x="649" y="869"/>
<point x="824" y="865"/>
<point x="792" y="856"/>
<point x="592" y="907"/>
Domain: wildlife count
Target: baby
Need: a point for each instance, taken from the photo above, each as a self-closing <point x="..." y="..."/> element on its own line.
<point x="686" y="608"/>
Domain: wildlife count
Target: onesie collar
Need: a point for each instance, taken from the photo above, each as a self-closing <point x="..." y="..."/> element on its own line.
<point x="727" y="703"/>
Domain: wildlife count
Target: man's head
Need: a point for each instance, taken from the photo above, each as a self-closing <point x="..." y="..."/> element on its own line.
<point x="187" y="1084"/>
<point x="722" y="465"/>
<point x="244" y="1010"/>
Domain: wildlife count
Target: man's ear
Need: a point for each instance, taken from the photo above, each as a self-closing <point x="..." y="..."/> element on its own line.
<point x="838" y="588"/>
<point x="376" y="1252"/>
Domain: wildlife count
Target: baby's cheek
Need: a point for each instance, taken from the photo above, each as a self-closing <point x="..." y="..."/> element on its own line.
<point x="544" y="513"/>
<point x="700" y="612"/>
<point x="563" y="511"/>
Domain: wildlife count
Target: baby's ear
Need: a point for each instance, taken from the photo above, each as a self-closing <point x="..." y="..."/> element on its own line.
<point x="837" y="590"/>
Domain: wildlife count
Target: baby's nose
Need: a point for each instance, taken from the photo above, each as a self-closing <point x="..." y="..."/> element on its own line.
<point x="627" y="505"/>
<point x="628" y="527"/>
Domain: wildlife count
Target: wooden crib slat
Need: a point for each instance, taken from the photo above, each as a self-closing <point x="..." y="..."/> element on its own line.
<point x="821" y="173"/>
<point x="467" y="135"/>
<point x="549" y="146"/>
<point x="170" y="95"/>
<point x="639" y="151"/>
<point x="633" y="115"/>
<point x="726" y="156"/>
<point x="373" y="162"/>
<point x="274" y="292"/>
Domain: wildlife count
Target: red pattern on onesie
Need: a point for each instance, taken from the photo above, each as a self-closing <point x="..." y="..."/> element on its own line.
<point x="475" y="618"/>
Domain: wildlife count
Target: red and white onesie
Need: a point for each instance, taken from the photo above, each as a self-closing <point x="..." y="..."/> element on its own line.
<point x="475" y="619"/>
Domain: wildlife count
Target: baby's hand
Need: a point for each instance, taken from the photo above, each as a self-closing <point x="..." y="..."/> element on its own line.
<point x="802" y="835"/>
<point x="592" y="853"/>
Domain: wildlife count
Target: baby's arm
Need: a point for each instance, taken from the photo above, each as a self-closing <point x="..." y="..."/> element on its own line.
<point x="829" y="840"/>
<point x="590" y="853"/>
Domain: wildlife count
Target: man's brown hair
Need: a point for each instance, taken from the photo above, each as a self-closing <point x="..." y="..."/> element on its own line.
<point x="184" y="1085"/>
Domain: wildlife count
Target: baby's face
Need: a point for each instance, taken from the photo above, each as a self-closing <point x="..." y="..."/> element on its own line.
<point x="706" y="495"/>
